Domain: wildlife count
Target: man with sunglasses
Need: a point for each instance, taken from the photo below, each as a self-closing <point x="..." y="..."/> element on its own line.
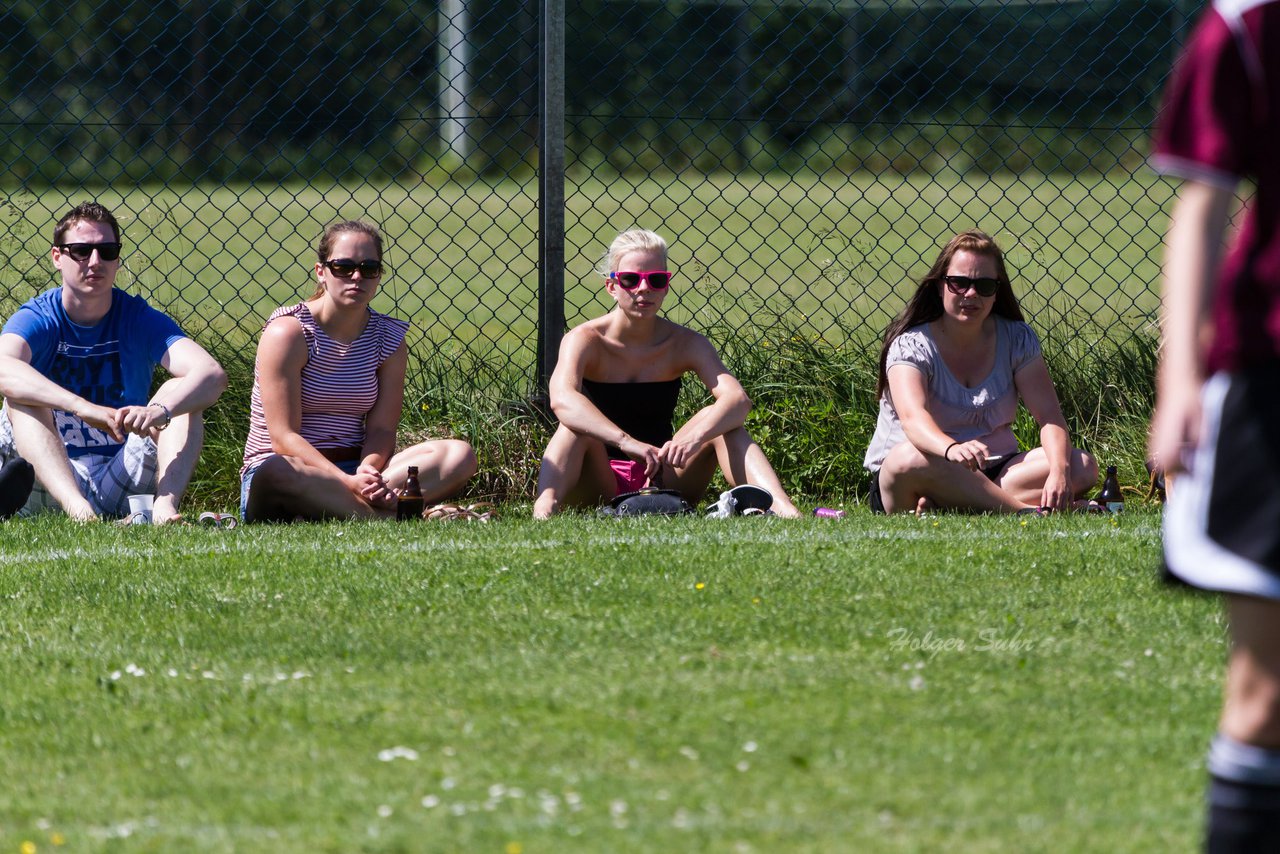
<point x="76" y="367"/>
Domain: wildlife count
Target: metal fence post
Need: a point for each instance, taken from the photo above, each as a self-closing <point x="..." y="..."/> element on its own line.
<point x="550" y="189"/>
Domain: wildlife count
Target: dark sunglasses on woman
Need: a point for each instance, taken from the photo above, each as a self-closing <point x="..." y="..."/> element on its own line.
<point x="959" y="285"/>
<point x="345" y="268"/>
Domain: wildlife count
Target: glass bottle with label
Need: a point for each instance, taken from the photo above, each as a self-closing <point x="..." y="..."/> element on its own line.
<point x="410" y="504"/>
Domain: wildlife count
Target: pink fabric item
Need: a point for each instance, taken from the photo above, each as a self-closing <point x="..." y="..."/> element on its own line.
<point x="629" y="474"/>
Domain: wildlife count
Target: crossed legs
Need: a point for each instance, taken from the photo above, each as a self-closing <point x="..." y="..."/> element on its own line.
<point x="911" y="480"/>
<point x="284" y="488"/>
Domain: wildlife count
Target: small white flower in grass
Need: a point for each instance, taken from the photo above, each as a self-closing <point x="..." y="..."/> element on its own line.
<point x="917" y="682"/>
<point x="573" y="799"/>
<point x="448" y="783"/>
<point x="750" y="747"/>
<point x="398" y="752"/>
<point x="384" y="811"/>
<point x="1148" y="652"/>
<point x="515" y="792"/>
<point x="497" y="790"/>
<point x="171" y="672"/>
<point x="301" y="674"/>
<point x="431" y="802"/>
<point x="458" y="809"/>
<point x="43" y="824"/>
<point x="209" y="674"/>
<point x="448" y="751"/>
<point x="743" y="765"/>
<point x="134" y="670"/>
<point x="662" y="795"/>
<point x="115" y="675"/>
<point x="681" y="820"/>
<point x="688" y="752"/>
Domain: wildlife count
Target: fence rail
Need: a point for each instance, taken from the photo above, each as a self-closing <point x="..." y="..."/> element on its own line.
<point x="804" y="158"/>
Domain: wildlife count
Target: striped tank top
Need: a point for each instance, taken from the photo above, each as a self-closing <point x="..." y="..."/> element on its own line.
<point x="339" y="383"/>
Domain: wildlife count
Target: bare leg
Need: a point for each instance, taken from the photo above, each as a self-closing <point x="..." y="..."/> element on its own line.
<point x="908" y="476"/>
<point x="177" y="451"/>
<point x="285" y="488"/>
<point x="742" y="461"/>
<point x="1251" y="712"/>
<point x="37" y="441"/>
<point x="1024" y="478"/>
<point x="444" y="467"/>
<point x="574" y="473"/>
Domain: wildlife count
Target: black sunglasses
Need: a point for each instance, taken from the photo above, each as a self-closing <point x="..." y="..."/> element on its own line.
<point x="959" y="285"/>
<point x="345" y="268"/>
<point x="84" y="251"/>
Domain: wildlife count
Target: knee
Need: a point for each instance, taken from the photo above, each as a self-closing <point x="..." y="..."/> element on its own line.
<point x="459" y="458"/>
<point x="275" y="476"/>
<point x="903" y="459"/>
<point x="1088" y="472"/>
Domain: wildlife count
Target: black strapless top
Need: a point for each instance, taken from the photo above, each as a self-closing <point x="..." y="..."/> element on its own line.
<point x="643" y="410"/>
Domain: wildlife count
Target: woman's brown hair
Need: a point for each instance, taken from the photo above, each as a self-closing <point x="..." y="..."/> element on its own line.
<point x="926" y="304"/>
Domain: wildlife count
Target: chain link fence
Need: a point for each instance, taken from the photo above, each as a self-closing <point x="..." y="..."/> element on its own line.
<point x="805" y="158"/>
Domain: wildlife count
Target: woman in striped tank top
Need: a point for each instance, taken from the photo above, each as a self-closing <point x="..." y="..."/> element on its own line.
<point x="327" y="392"/>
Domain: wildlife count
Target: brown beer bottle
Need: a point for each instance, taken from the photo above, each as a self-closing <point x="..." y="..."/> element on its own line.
<point x="1110" y="497"/>
<point x="410" y="504"/>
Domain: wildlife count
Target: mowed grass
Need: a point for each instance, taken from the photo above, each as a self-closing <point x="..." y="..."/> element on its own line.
<point x="869" y="684"/>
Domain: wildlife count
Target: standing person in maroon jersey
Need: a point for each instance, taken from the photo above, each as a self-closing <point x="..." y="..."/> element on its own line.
<point x="1218" y="390"/>
<point x="327" y="392"/>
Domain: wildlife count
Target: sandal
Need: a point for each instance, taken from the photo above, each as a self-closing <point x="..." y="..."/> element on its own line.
<point x="227" y="521"/>
<point x="135" y="518"/>
<point x="1033" y="511"/>
<point x="482" y="511"/>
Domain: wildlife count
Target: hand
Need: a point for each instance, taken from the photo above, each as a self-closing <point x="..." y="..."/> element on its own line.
<point x="1175" y="428"/>
<point x="642" y="453"/>
<point x="369" y="484"/>
<point x="145" y="421"/>
<point x="1056" y="494"/>
<point x="104" y="418"/>
<point x="972" y="454"/>
<point x="678" y="453"/>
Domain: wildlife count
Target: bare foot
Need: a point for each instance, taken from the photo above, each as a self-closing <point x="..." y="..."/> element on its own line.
<point x="163" y="512"/>
<point x="924" y="505"/>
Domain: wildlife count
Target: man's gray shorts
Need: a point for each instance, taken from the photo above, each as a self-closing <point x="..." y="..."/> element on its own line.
<point x="106" y="481"/>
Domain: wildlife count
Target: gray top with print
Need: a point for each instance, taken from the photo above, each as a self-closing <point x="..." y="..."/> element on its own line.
<point x="984" y="411"/>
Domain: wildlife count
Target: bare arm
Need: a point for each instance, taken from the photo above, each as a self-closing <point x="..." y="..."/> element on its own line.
<point x="380" y="429"/>
<point x="1192" y="251"/>
<point x="1036" y="390"/>
<point x="726" y="412"/>
<point x="910" y="400"/>
<point x="576" y="411"/>
<point x="282" y="353"/>
<point x="197" y="383"/>
<point x="23" y="384"/>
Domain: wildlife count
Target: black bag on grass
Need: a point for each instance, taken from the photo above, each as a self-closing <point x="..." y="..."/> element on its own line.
<point x="649" y="501"/>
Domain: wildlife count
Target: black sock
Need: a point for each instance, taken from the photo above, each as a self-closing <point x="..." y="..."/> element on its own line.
<point x="16" y="479"/>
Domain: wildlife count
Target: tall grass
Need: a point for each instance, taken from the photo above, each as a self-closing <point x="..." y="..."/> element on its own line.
<point x="814" y="413"/>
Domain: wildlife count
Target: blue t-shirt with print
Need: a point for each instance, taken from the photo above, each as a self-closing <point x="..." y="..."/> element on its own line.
<point x="110" y="363"/>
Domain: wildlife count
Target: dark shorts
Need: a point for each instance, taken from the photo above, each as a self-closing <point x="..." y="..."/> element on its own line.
<point x="992" y="472"/>
<point x="1222" y="522"/>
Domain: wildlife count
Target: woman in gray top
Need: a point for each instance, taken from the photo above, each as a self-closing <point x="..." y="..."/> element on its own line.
<point x="954" y="364"/>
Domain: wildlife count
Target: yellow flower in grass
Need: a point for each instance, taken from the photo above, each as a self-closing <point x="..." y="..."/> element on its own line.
<point x="57" y="838"/>
<point x="699" y="586"/>
<point x="514" y="848"/>
<point x="27" y="847"/>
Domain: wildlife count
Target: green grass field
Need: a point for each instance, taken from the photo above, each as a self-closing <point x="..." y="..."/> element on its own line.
<point x="947" y="683"/>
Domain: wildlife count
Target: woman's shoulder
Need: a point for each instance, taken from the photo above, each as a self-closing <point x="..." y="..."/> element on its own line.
<point x="914" y="345"/>
<point x="1021" y="337"/>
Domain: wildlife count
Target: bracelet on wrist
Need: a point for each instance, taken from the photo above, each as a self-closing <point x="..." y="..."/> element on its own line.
<point x="168" y="416"/>
<point x="946" y="455"/>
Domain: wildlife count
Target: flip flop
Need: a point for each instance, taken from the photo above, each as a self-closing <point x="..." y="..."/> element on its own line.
<point x="227" y="521"/>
